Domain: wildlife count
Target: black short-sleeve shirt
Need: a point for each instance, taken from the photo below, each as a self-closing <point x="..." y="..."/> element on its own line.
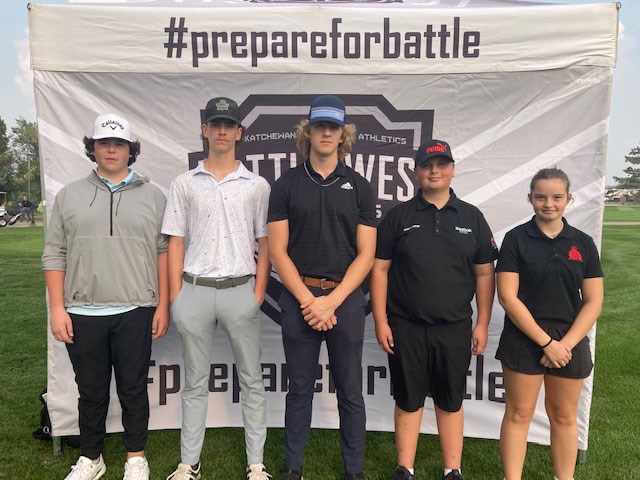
<point x="551" y="270"/>
<point x="323" y="216"/>
<point x="433" y="253"/>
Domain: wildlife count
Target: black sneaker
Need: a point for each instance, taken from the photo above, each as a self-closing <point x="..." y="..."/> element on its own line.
<point x="291" y="475"/>
<point x="354" y="476"/>
<point x="403" y="474"/>
<point x="452" y="475"/>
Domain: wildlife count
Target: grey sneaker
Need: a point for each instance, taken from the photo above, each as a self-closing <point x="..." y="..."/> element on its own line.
<point x="186" y="472"/>
<point x="136" y="468"/>
<point x="257" y="471"/>
<point x="85" y="469"/>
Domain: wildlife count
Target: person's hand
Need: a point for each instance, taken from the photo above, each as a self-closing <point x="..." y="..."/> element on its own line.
<point x="61" y="325"/>
<point x="556" y="355"/>
<point x="160" y="323"/>
<point x="385" y="338"/>
<point x="479" y="339"/>
<point x="319" y="313"/>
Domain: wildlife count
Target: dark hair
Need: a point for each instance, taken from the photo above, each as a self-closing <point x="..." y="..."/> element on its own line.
<point x="303" y="139"/>
<point x="550" y="174"/>
<point x="134" y="149"/>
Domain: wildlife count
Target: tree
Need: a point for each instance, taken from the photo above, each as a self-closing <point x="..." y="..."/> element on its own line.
<point x="19" y="163"/>
<point x="632" y="180"/>
<point x="23" y="146"/>
<point x="6" y="163"/>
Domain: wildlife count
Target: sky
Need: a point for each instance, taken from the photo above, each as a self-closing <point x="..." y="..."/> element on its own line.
<point x="16" y="92"/>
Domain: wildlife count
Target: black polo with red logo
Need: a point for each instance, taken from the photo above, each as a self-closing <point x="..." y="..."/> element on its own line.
<point x="433" y="255"/>
<point x="551" y="270"/>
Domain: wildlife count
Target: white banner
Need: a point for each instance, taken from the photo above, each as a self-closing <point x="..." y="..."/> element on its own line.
<point x="503" y="125"/>
<point x="357" y="39"/>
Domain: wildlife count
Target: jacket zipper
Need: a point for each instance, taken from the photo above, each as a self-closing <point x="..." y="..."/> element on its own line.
<point x="111" y="214"/>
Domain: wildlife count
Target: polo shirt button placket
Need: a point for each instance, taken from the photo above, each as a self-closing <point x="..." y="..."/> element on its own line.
<point x="437" y="223"/>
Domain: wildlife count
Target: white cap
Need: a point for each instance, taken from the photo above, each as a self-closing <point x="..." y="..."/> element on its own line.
<point x="111" y="126"/>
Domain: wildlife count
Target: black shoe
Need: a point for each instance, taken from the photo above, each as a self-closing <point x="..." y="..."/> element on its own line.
<point x="354" y="476"/>
<point x="291" y="475"/>
<point x="403" y="474"/>
<point x="452" y="475"/>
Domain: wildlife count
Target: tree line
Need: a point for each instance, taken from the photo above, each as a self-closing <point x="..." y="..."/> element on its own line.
<point x="632" y="178"/>
<point x="19" y="162"/>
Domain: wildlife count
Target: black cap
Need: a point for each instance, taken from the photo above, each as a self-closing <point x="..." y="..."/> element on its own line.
<point x="222" y="107"/>
<point x="433" y="148"/>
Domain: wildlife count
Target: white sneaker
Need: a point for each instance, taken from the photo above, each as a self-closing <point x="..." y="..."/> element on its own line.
<point x="257" y="471"/>
<point x="85" y="469"/>
<point x="185" y="472"/>
<point x="136" y="468"/>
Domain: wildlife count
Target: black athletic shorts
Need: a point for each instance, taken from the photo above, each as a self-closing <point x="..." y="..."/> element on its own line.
<point x="520" y="354"/>
<point x="429" y="360"/>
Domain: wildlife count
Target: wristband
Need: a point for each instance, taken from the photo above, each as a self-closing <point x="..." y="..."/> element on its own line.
<point x="548" y="343"/>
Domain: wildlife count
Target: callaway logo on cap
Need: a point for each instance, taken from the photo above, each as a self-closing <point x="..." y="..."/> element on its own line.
<point x="111" y="125"/>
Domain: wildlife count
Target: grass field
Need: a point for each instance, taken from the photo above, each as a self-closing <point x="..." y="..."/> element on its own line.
<point x="614" y="450"/>
<point x="622" y="213"/>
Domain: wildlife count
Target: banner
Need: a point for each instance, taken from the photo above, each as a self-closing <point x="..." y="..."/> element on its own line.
<point x="321" y="38"/>
<point x="528" y="100"/>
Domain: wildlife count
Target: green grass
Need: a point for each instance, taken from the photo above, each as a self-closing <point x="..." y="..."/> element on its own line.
<point x="615" y="426"/>
<point x="622" y="213"/>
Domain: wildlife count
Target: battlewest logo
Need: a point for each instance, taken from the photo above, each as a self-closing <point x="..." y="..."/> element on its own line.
<point x="383" y="153"/>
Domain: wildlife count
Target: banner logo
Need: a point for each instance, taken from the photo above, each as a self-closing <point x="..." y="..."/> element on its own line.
<point x="386" y="142"/>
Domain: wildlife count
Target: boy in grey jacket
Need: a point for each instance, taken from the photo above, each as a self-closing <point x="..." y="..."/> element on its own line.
<point x="105" y="265"/>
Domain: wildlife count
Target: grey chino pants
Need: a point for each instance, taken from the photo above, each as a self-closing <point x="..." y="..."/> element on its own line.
<point x="197" y="312"/>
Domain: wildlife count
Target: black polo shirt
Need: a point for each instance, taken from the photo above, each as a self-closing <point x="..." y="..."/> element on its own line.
<point x="323" y="216"/>
<point x="551" y="270"/>
<point x="433" y="252"/>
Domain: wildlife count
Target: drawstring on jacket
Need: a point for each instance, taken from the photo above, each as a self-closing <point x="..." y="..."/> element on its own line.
<point x="119" y="192"/>
<point x="95" y="193"/>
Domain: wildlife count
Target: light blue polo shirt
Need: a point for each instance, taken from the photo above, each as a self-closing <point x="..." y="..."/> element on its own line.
<point x="99" y="310"/>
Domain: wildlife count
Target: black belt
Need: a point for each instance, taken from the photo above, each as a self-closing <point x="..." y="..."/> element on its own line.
<point x="218" y="283"/>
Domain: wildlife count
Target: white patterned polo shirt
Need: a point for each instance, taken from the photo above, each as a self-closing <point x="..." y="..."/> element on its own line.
<point x="220" y="220"/>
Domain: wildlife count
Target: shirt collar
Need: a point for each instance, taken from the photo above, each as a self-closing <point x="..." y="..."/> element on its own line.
<point x="123" y="183"/>
<point x="340" y="171"/>
<point x="241" y="172"/>
<point x="534" y="231"/>
<point x="421" y="203"/>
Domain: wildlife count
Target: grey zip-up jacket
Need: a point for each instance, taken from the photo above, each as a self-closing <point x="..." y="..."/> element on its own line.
<point x="107" y="243"/>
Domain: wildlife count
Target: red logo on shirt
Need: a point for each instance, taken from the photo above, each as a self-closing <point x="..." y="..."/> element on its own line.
<point x="574" y="254"/>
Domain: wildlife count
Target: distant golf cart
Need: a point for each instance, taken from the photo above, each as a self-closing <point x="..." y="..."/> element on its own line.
<point x="7" y="217"/>
<point x="3" y="210"/>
